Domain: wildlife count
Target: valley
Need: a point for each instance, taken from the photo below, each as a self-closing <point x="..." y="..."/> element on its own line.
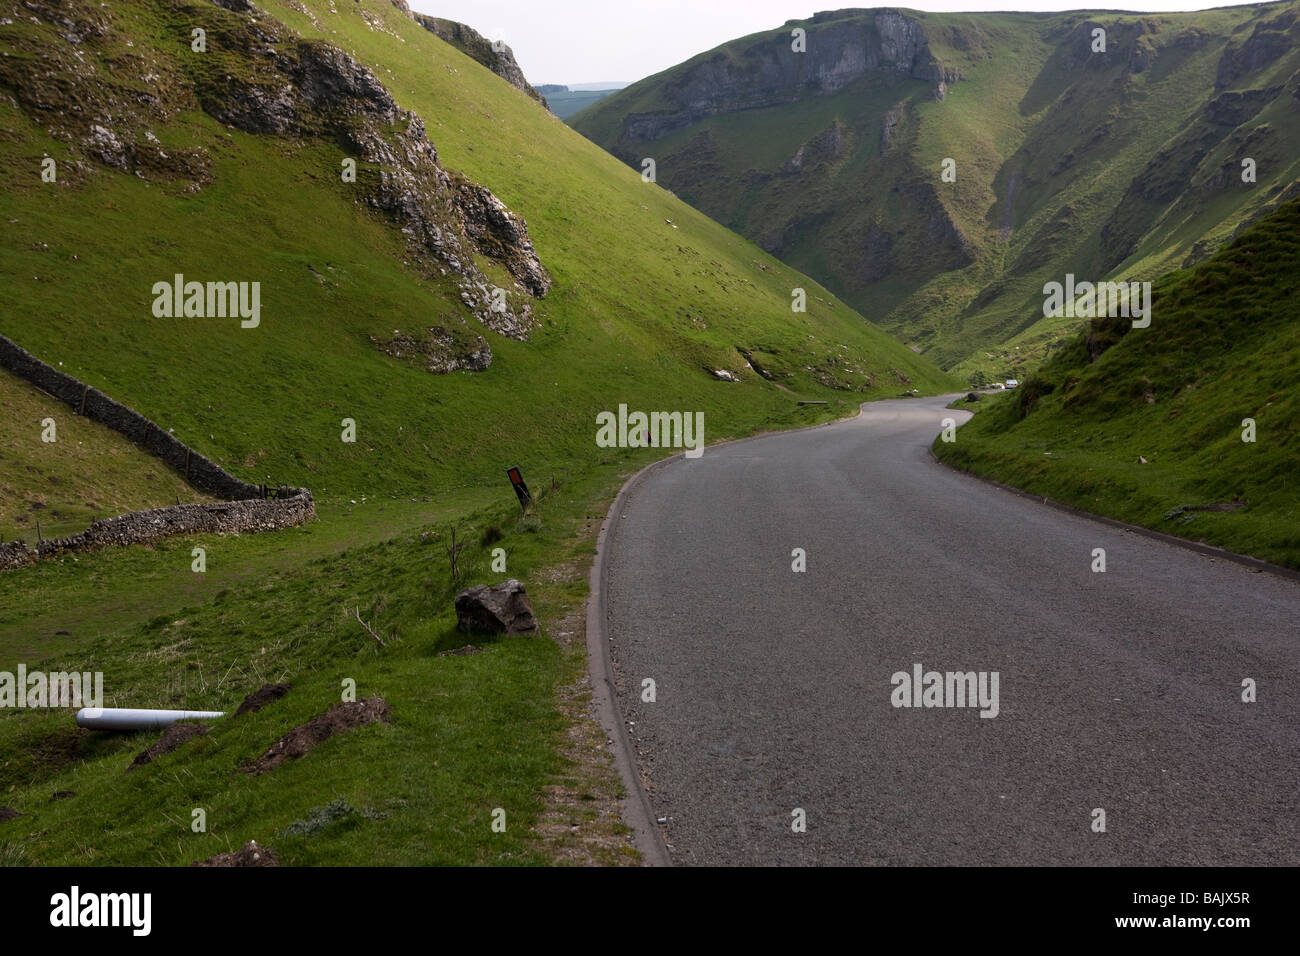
<point x="935" y="170"/>
<point x="375" y="304"/>
<point x="299" y="295"/>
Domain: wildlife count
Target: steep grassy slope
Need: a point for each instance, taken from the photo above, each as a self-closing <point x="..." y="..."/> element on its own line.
<point x="640" y="311"/>
<point x="87" y="472"/>
<point x="1118" y="163"/>
<point x="1223" y="347"/>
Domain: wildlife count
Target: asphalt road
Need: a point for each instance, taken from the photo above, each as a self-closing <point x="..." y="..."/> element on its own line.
<point x="1119" y="691"/>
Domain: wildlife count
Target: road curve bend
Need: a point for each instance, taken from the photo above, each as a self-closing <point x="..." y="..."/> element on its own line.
<point x="778" y="733"/>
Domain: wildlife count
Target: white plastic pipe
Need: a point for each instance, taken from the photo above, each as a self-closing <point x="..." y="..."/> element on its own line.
<point x="126" y="718"/>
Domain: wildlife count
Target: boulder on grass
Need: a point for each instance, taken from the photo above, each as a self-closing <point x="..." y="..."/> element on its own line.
<point x="501" y="609"/>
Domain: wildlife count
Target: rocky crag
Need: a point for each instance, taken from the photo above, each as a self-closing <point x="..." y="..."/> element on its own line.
<point x="848" y="47"/>
<point x="497" y="57"/>
<point x="265" y="80"/>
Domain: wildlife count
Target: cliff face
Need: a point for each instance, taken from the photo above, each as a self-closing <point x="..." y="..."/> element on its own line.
<point x="840" y="48"/>
<point x="269" y="82"/>
<point x="1269" y="41"/>
<point x="499" y="58"/>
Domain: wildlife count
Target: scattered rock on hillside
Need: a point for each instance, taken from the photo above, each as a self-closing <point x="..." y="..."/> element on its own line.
<point x="305" y="737"/>
<point x="250" y="854"/>
<point x="266" y="694"/>
<point x="172" y="737"/>
<point x="888" y="124"/>
<point x="8" y="813"/>
<point x="440" y="350"/>
<point x="754" y="364"/>
<point x="501" y="609"/>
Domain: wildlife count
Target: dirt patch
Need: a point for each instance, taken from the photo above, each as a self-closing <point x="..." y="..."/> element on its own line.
<point x="266" y="694"/>
<point x="250" y="854"/>
<point x="173" y="737"/>
<point x="8" y="813"/>
<point x="303" y="738"/>
<point x="1234" y="505"/>
<point x="461" y="651"/>
<point x="582" y="822"/>
<point x="570" y="628"/>
<point x="49" y="753"/>
<point x="1182" y="510"/>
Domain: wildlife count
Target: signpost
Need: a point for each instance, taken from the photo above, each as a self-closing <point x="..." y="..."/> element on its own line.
<point x="521" y="489"/>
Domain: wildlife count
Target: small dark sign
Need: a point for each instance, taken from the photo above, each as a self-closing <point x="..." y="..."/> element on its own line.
<point x="521" y="489"/>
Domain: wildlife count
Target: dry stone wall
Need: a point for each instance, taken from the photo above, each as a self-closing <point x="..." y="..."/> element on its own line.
<point x="247" y="511"/>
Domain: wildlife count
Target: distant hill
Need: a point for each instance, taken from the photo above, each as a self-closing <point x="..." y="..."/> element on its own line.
<point x="569" y="103"/>
<point x="1067" y="157"/>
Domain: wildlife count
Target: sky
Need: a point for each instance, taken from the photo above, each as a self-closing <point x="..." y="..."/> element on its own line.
<point x="586" y="41"/>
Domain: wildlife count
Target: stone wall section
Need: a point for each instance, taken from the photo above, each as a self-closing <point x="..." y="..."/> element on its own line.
<point x="250" y="507"/>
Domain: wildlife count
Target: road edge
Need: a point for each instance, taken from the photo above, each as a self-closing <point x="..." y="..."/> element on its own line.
<point x="637" y="812"/>
<point x="1208" y="550"/>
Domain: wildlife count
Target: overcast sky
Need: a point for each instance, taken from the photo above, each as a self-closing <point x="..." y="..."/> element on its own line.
<point x="584" y="41"/>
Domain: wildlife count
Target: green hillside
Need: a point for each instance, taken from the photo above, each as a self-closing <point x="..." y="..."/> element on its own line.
<point x="1223" y="347"/>
<point x="162" y="169"/>
<point x="1123" y="163"/>
<point x="639" y="312"/>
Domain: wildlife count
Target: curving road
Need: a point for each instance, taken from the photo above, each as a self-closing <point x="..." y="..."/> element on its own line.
<point x="1119" y="691"/>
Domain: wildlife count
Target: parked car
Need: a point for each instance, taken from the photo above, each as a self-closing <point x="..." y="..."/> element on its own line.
<point x="1012" y="383"/>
